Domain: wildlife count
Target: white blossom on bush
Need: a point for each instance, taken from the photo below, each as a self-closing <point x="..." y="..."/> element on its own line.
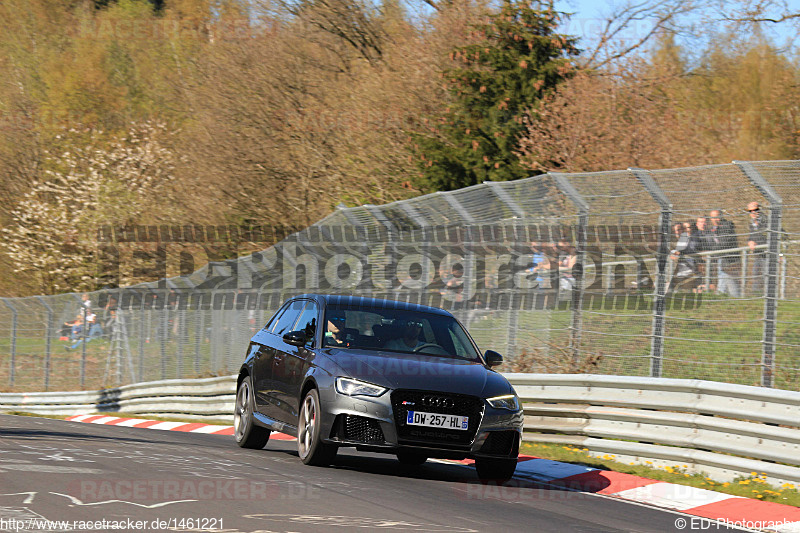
<point x="90" y="183"/>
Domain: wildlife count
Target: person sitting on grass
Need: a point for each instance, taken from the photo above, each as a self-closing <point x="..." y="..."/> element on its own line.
<point x="95" y="331"/>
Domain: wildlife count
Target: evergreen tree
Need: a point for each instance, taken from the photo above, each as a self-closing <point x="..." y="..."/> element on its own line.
<point x="517" y="59"/>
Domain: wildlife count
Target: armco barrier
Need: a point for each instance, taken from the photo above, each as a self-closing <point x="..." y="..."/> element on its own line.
<point x="210" y="399"/>
<point x="723" y="430"/>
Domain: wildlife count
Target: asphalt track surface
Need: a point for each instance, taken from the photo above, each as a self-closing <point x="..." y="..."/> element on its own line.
<point x="68" y="471"/>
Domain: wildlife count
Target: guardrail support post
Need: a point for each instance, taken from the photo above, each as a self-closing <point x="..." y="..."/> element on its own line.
<point x="773" y="257"/>
<point x="576" y="327"/>
<point x="659" y="303"/>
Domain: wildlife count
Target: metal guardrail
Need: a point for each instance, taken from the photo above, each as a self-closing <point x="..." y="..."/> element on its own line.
<point x="721" y="429"/>
<point x="724" y="430"/>
<point x="209" y="399"/>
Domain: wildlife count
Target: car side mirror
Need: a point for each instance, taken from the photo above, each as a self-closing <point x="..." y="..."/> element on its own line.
<point x="295" y="338"/>
<point x="493" y="358"/>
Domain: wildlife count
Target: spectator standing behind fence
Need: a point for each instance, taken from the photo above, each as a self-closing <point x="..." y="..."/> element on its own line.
<point x="540" y="263"/>
<point x="757" y="237"/>
<point x="568" y="256"/>
<point x="723" y="236"/>
<point x="704" y="243"/>
<point x="686" y="248"/>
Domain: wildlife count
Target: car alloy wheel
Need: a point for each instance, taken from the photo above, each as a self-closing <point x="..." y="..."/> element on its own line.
<point x="246" y="433"/>
<point x="310" y="447"/>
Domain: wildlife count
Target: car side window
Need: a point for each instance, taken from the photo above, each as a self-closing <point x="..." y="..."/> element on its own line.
<point x="274" y="320"/>
<point x="308" y="323"/>
<point x="288" y="318"/>
<point x="460" y="350"/>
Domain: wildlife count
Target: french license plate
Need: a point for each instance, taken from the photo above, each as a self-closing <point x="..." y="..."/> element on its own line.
<point x="433" y="420"/>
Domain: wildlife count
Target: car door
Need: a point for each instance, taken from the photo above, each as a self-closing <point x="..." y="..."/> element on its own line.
<point x="263" y="351"/>
<point x="291" y="363"/>
<point x="273" y="345"/>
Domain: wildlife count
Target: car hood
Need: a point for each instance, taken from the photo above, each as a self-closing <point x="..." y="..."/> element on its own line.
<point x="414" y="371"/>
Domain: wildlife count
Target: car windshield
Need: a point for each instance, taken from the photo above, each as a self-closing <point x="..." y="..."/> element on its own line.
<point x="397" y="330"/>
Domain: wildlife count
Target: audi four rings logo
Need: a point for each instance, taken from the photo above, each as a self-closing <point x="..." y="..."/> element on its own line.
<point x="438" y="401"/>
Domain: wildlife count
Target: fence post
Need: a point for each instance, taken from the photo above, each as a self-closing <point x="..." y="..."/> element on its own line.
<point x="143" y="316"/>
<point x="659" y="303"/>
<point x="199" y="326"/>
<point x="47" y="347"/>
<point x="83" y="311"/>
<point x="771" y="289"/>
<point x="576" y="326"/>
<point x="13" y="343"/>
<point x="161" y="329"/>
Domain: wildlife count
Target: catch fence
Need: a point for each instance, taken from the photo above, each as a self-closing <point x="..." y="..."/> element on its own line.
<point x="618" y="289"/>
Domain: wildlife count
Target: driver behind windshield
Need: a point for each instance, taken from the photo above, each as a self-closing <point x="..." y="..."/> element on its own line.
<point x="410" y="339"/>
<point x="336" y="334"/>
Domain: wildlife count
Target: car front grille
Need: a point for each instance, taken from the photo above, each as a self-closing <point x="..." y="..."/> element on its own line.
<point x="404" y="400"/>
<point x="362" y="429"/>
<point x="500" y="443"/>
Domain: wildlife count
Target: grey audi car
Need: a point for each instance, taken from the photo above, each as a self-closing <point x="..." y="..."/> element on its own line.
<point x="380" y="376"/>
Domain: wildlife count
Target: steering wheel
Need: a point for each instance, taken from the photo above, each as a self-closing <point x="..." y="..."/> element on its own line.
<point x="429" y="344"/>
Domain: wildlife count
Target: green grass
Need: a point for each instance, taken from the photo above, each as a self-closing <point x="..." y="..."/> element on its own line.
<point x="718" y="340"/>
<point x="752" y="486"/>
<point x="65" y="366"/>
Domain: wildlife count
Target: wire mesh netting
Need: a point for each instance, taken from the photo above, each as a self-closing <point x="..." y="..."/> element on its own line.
<point x="683" y="273"/>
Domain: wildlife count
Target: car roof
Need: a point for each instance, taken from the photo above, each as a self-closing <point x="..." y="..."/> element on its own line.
<point x="363" y="302"/>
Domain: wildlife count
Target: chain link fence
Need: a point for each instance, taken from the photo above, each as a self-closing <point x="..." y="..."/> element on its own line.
<point x="635" y="272"/>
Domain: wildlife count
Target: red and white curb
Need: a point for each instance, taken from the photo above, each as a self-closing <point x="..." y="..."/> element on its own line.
<point x="186" y="427"/>
<point x="153" y="424"/>
<point x="725" y="508"/>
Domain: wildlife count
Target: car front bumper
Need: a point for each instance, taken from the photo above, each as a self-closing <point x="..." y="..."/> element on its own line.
<point x="371" y="413"/>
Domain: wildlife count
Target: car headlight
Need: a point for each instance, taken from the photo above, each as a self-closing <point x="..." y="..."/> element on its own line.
<point x="354" y="387"/>
<point x="508" y="401"/>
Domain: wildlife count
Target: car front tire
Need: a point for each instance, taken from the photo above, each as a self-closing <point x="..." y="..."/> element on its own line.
<point x="491" y="469"/>
<point x="310" y="447"/>
<point x="246" y="433"/>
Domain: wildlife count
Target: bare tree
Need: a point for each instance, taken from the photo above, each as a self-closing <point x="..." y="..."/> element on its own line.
<point x="749" y="12"/>
<point x="630" y="26"/>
